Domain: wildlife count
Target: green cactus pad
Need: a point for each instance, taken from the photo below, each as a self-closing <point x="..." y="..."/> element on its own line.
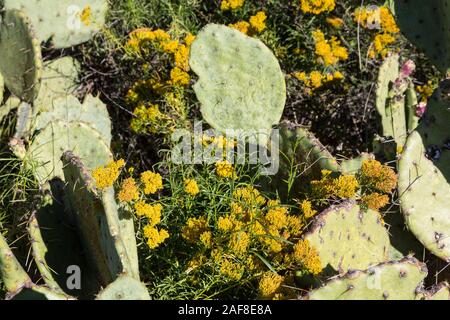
<point x="69" y="110"/>
<point x="59" y="78"/>
<point x="426" y="24"/>
<point x="424" y="183"/>
<point x="399" y="280"/>
<point x="389" y="72"/>
<point x="21" y="62"/>
<point x="241" y="85"/>
<point x="58" y="137"/>
<point x="2" y="88"/>
<point x="440" y="291"/>
<point x="61" y="20"/>
<point x="99" y="221"/>
<point x="124" y="288"/>
<point x="346" y="237"/>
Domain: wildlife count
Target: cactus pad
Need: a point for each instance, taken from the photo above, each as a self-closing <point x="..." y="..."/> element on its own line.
<point x="65" y="23"/>
<point x="424" y="173"/>
<point x="99" y="222"/>
<point x="426" y="24"/>
<point x="387" y="281"/>
<point x="2" y="88"/>
<point x="58" y="137"/>
<point x="124" y="288"/>
<point x="21" y="62"/>
<point x="69" y="110"/>
<point x="241" y="85"/>
<point x="347" y="237"/>
<point x="58" y="79"/>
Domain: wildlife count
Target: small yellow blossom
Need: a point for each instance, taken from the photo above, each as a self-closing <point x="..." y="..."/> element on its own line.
<point x="194" y="228"/>
<point x="375" y="201"/>
<point x="152" y="182"/>
<point x="154" y="236"/>
<point x="106" y="176"/>
<point x="258" y="21"/>
<point x="231" y="4"/>
<point x="269" y="283"/>
<point x="145" y="119"/>
<point x="206" y="239"/>
<point x="191" y="187"/>
<point x="151" y="212"/>
<point x="225" y="224"/>
<point x="189" y="39"/>
<point x="239" y="242"/>
<point x="224" y="169"/>
<point x="178" y="77"/>
<point x="307" y="256"/>
<point x="231" y="270"/>
<point x="335" y="22"/>
<point x="317" y="6"/>
<point x="85" y="16"/>
<point x="307" y="209"/>
<point x="128" y="191"/>
<point x="242" y="26"/>
<point x="377" y="176"/>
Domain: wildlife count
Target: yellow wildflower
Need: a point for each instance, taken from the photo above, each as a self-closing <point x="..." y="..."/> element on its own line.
<point x="239" y="242"/>
<point x="194" y="228"/>
<point x="345" y="186"/>
<point x="225" y="224"/>
<point x="316" y="79"/>
<point x="191" y="187"/>
<point x="151" y="212"/>
<point x="269" y="283"/>
<point x="378" y="176"/>
<point x="307" y="256"/>
<point x="170" y="46"/>
<point x="85" y="16"/>
<point x="231" y="4"/>
<point x="145" y="119"/>
<point x="152" y="182"/>
<point x="277" y="217"/>
<point x="335" y="22"/>
<point x="258" y="21"/>
<point x="242" y="26"/>
<point x="426" y="91"/>
<point x="317" y="6"/>
<point x="329" y="51"/>
<point x="179" y="77"/>
<point x="129" y="191"/>
<point x="224" y="169"/>
<point x="188" y="39"/>
<point x="106" y="176"/>
<point x="388" y="21"/>
<point x="249" y="196"/>
<point x="206" y="239"/>
<point x="181" y="56"/>
<point x="154" y="236"/>
<point x="231" y="269"/>
<point x="375" y="201"/>
<point x="307" y="209"/>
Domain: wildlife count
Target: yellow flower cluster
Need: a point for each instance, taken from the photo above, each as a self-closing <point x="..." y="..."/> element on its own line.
<point x="231" y="4"/>
<point x="426" y="91"/>
<point x="329" y="52"/>
<point x="377" y="176"/>
<point x="225" y="169"/>
<point x="146" y="119"/>
<point x="317" y="6"/>
<point x="375" y="201"/>
<point x="194" y="229"/>
<point x="342" y="187"/>
<point x="151" y="212"/>
<point x="307" y="256"/>
<point x="269" y="284"/>
<point x="140" y="39"/>
<point x="85" y="16"/>
<point x="128" y="191"/>
<point x="316" y="79"/>
<point x="335" y="22"/>
<point x="231" y="270"/>
<point x="239" y="243"/>
<point x="106" y="176"/>
<point x="152" y="182"/>
<point x="307" y="209"/>
<point x="256" y="24"/>
<point x="382" y="19"/>
<point x="191" y="187"/>
<point x="154" y="236"/>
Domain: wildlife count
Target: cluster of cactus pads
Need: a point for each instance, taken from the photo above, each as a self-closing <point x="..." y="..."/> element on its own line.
<point x="63" y="140"/>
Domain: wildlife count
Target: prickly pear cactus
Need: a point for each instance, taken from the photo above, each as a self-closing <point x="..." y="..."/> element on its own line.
<point x="388" y="73"/>
<point x="424" y="173"/>
<point x="124" y="288"/>
<point x="346" y="237"/>
<point x="99" y="222"/>
<point x="241" y="85"/>
<point x="84" y="129"/>
<point x="59" y="79"/>
<point x="17" y="282"/>
<point x="397" y="280"/>
<point x="426" y="24"/>
<point x="439" y="292"/>
<point x="65" y="23"/>
<point x="21" y="62"/>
